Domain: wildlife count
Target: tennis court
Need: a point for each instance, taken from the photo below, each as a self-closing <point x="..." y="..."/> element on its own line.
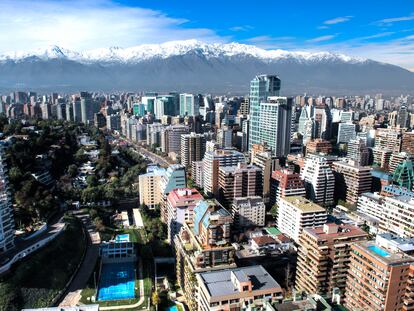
<point x="117" y="281"/>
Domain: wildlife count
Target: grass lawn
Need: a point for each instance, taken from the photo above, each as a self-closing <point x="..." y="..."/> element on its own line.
<point x="37" y="280"/>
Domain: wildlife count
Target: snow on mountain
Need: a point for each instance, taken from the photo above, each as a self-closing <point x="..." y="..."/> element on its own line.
<point x="144" y="52"/>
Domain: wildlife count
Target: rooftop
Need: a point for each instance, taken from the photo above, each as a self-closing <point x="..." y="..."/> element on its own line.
<point x="219" y="283"/>
<point x="382" y="254"/>
<point x="333" y="231"/>
<point x="303" y="204"/>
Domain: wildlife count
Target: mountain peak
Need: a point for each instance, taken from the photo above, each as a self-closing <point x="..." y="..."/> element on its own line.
<point x="175" y="48"/>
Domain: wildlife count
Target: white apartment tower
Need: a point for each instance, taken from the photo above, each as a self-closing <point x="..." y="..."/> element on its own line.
<point x="319" y="180"/>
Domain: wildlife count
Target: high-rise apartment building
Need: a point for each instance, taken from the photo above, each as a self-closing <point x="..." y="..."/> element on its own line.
<point x="158" y="182"/>
<point x="388" y="138"/>
<point x="6" y="207"/>
<point x="346" y="132"/>
<point x="324" y="256"/>
<point x="239" y="181"/>
<point x="193" y="147"/>
<point x="88" y="107"/>
<point x="397" y="158"/>
<point x="248" y="212"/>
<point x="267" y="163"/>
<point x="180" y="206"/>
<point x="203" y="245"/>
<point x="189" y="105"/>
<point x="225" y="137"/>
<point x="358" y="152"/>
<point x="318" y="145"/>
<point x="351" y="181"/>
<point x="296" y="213"/>
<point x="319" y="180"/>
<point x="171" y="138"/>
<point x="397" y="216"/>
<point x="261" y="87"/>
<point x="275" y="122"/>
<point x="286" y="183"/>
<point x="378" y="279"/>
<point x="407" y="142"/>
<point x="212" y="161"/>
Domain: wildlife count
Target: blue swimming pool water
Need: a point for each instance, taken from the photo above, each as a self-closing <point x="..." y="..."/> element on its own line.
<point x="172" y="308"/>
<point x="117" y="281"/>
<point x="122" y="238"/>
<point x="379" y="251"/>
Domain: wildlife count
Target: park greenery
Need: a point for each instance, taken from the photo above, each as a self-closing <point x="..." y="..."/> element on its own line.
<point x="36" y="281"/>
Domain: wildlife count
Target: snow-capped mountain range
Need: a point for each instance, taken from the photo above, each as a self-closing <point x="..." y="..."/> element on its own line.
<point x="194" y="66"/>
<point x="174" y="48"/>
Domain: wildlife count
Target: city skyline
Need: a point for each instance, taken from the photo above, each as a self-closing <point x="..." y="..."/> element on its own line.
<point x="379" y="31"/>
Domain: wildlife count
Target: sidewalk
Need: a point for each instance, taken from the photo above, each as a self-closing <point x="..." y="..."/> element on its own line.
<point x="80" y="280"/>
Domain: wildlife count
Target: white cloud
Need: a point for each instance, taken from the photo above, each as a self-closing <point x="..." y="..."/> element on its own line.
<point x="396" y="19"/>
<point x="378" y="35"/>
<point x="321" y="39"/>
<point x="241" y="28"/>
<point x="337" y="20"/>
<point x="80" y="25"/>
<point x="398" y="51"/>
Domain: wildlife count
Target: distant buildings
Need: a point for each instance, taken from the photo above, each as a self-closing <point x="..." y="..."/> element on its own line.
<point x="318" y="145"/>
<point x="171" y="138"/>
<point x="346" y="132"/>
<point x="261" y="87"/>
<point x="275" y="121"/>
<point x="189" y="105"/>
<point x="296" y="213"/>
<point x="193" y="148"/>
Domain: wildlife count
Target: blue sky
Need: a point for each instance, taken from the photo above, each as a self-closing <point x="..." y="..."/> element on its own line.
<point x="381" y="30"/>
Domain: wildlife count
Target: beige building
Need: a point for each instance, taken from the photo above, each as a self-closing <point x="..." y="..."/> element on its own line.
<point x="248" y="212"/>
<point x="351" y="181"/>
<point x="203" y="244"/>
<point x="238" y="182"/>
<point x="150" y="192"/>
<point x="237" y="289"/>
<point x="296" y="213"/>
<point x="267" y="163"/>
<point x="323" y="257"/>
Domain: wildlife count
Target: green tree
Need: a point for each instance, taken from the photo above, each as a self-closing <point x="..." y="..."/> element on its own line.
<point x="92" y="181"/>
<point x="9" y="297"/>
<point x="72" y="170"/>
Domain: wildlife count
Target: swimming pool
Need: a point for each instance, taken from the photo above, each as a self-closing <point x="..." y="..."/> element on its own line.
<point x="117" y="281"/>
<point x="122" y="238"/>
<point x="172" y="308"/>
<point x="379" y="251"/>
